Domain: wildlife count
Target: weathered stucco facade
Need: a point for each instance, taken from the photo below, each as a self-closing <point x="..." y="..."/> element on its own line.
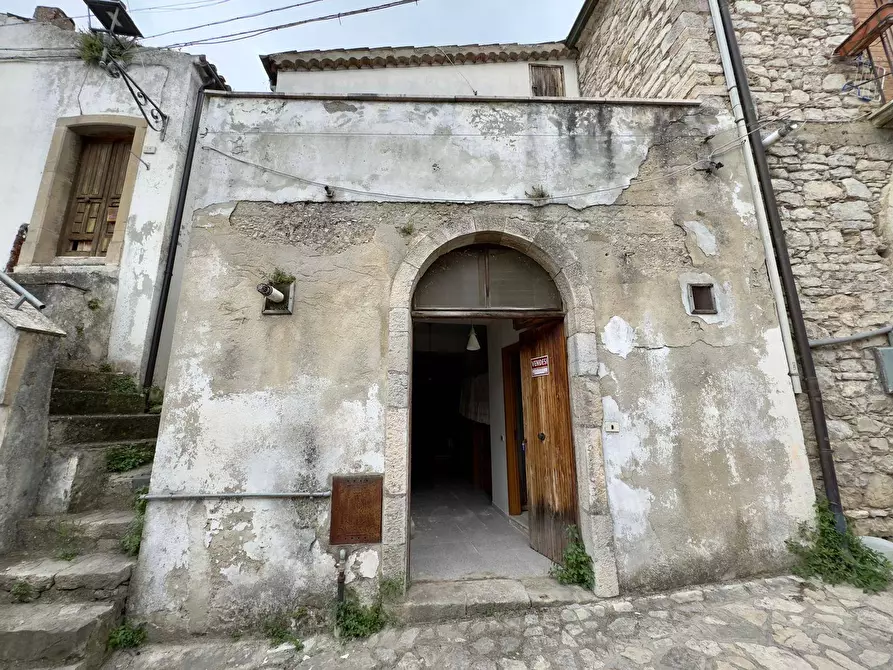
<point x="707" y="475"/>
<point x="105" y="303"/>
<point x="832" y="182"/>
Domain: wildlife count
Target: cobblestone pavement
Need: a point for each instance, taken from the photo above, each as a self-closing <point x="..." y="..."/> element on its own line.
<point x="776" y="624"/>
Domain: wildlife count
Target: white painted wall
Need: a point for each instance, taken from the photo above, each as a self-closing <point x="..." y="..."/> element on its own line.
<point x="48" y="89"/>
<point x="499" y="334"/>
<point x="488" y="79"/>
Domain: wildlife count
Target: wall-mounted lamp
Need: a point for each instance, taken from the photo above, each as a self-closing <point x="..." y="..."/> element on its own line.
<point x="279" y="299"/>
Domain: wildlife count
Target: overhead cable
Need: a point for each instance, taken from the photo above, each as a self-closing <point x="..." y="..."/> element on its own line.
<point x="247" y="34"/>
<point x="235" y="18"/>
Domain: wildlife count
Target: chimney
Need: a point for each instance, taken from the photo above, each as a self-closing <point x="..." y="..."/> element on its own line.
<point x="53" y="15"/>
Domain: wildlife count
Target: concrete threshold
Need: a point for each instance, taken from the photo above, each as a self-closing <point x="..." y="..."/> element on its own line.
<point x="439" y="601"/>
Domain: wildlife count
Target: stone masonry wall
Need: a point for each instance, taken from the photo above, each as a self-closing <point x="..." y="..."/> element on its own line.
<point x="655" y="49"/>
<point x="830" y="178"/>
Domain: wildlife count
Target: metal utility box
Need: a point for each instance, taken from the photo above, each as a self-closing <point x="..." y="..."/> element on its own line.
<point x="884" y="357"/>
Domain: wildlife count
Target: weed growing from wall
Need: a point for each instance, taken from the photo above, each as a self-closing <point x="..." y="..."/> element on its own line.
<point x="576" y="564"/>
<point x="130" y="543"/>
<point x="91" y="47"/>
<point x="836" y="558"/>
<point x="279" y="628"/>
<point x="354" y="620"/>
<point x="123" y="384"/>
<point x="128" y="457"/>
<point x="127" y="636"/>
<point x="66" y="541"/>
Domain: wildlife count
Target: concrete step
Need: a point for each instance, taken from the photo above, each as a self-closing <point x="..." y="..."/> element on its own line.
<point x="93" y="380"/>
<point x="72" y="634"/>
<point x="121" y="487"/>
<point x="440" y="601"/>
<point x="74" y="533"/>
<point x="102" y="428"/>
<point x="77" y="478"/>
<point x="30" y="578"/>
<point x="69" y="402"/>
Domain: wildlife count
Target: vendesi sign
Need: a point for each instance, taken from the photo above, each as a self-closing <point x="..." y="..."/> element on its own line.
<point x="540" y="366"/>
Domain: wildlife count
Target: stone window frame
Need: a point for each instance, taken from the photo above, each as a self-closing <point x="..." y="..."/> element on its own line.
<point x="54" y="194"/>
<point x="569" y="275"/>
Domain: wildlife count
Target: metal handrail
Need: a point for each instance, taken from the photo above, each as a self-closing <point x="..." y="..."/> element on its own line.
<point x="22" y="292"/>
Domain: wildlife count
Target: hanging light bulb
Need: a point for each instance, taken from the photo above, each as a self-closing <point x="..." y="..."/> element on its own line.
<point x="473" y="344"/>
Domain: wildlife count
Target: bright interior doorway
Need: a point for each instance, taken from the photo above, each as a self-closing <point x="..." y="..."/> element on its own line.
<point x="463" y="524"/>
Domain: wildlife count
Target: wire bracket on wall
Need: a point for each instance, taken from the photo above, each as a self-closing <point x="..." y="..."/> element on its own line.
<point x="118" y="23"/>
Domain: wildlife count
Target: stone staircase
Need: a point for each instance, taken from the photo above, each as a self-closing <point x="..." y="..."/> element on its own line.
<point x="63" y="590"/>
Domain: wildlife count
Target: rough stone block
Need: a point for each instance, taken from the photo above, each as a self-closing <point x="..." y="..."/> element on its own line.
<point x="582" y="355"/>
<point x="495" y="595"/>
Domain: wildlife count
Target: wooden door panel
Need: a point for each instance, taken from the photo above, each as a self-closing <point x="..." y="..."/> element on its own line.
<point x="551" y="467"/>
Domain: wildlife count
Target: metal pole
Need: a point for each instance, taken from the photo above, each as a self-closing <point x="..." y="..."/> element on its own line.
<point x="229" y="496"/>
<point x="21" y="291"/>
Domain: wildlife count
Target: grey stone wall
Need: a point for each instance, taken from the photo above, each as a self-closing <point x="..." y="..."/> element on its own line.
<point x="830" y="179"/>
<point x="654" y="49"/>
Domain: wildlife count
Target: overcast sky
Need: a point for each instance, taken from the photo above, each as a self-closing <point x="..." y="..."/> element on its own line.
<point x="428" y="22"/>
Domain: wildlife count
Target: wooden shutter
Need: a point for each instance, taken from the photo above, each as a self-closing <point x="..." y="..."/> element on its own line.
<point x="96" y="195"/>
<point x="547" y="80"/>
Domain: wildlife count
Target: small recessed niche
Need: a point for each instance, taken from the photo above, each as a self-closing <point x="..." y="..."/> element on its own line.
<point x="702" y="299"/>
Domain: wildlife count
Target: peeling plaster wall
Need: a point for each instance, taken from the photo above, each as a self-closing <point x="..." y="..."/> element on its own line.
<point x="708" y="474"/>
<point x="49" y="89"/>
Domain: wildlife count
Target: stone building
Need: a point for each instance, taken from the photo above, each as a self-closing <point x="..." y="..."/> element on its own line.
<point x="100" y="277"/>
<point x="478" y="290"/>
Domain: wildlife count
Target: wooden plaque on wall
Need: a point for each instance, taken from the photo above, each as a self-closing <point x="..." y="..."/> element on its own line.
<point x="356" y="509"/>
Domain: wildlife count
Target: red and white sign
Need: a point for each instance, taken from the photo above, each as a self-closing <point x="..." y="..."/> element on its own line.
<point x="540" y="366"/>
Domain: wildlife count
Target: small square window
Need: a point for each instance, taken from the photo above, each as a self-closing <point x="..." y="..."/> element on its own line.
<point x="702" y="299"/>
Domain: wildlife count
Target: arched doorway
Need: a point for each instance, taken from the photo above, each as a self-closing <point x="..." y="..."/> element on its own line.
<point x="493" y="482"/>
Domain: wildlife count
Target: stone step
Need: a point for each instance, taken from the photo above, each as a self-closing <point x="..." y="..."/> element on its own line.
<point x="75" y="533"/>
<point x="121" y="487"/>
<point x="440" y="601"/>
<point x="92" y="380"/>
<point x="69" y="402"/>
<point x="102" y="428"/>
<point x="30" y="578"/>
<point x="73" y="634"/>
<point x="77" y="478"/>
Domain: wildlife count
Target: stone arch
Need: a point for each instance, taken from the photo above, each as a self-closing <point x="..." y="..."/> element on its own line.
<point x="570" y="277"/>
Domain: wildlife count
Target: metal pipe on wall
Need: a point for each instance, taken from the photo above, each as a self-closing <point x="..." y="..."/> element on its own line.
<point x="756" y="194"/>
<point x="720" y="10"/>
<point x="229" y="496"/>
<point x="886" y="330"/>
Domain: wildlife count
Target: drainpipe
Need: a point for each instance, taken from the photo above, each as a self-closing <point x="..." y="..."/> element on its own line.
<point x="731" y="54"/>
<point x="213" y="81"/>
<point x="759" y="208"/>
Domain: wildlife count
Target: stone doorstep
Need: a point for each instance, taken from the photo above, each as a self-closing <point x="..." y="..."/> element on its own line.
<point x="93" y="572"/>
<point x="436" y="601"/>
<point x="53" y="633"/>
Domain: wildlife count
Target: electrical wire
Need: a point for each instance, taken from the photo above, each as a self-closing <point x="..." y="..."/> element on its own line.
<point x="248" y="34"/>
<point x="235" y="18"/>
<point x="396" y="196"/>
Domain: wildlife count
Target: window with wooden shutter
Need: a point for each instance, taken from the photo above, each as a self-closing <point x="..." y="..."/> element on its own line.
<point x="547" y="80"/>
<point x="96" y="195"/>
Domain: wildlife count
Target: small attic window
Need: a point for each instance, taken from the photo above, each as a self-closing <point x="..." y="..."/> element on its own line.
<point x="702" y="299"/>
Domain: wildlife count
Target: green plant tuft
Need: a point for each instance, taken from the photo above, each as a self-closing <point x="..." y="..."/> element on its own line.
<point x="390" y="590"/>
<point x="91" y="46"/>
<point x="127" y="636"/>
<point x="279" y="628"/>
<point x="407" y="229"/>
<point x="838" y="558"/>
<point x="576" y="564"/>
<point x="123" y="384"/>
<point x="280" y="276"/>
<point x="66" y="541"/>
<point x="130" y="542"/>
<point x="22" y="591"/>
<point x="128" y="457"/>
<point x="93" y="304"/>
<point x="359" y="621"/>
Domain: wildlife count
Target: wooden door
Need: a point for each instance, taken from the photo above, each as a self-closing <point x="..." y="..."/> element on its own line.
<point x="551" y="470"/>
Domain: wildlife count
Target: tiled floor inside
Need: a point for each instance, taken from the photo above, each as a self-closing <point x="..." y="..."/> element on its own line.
<point x="460" y="535"/>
